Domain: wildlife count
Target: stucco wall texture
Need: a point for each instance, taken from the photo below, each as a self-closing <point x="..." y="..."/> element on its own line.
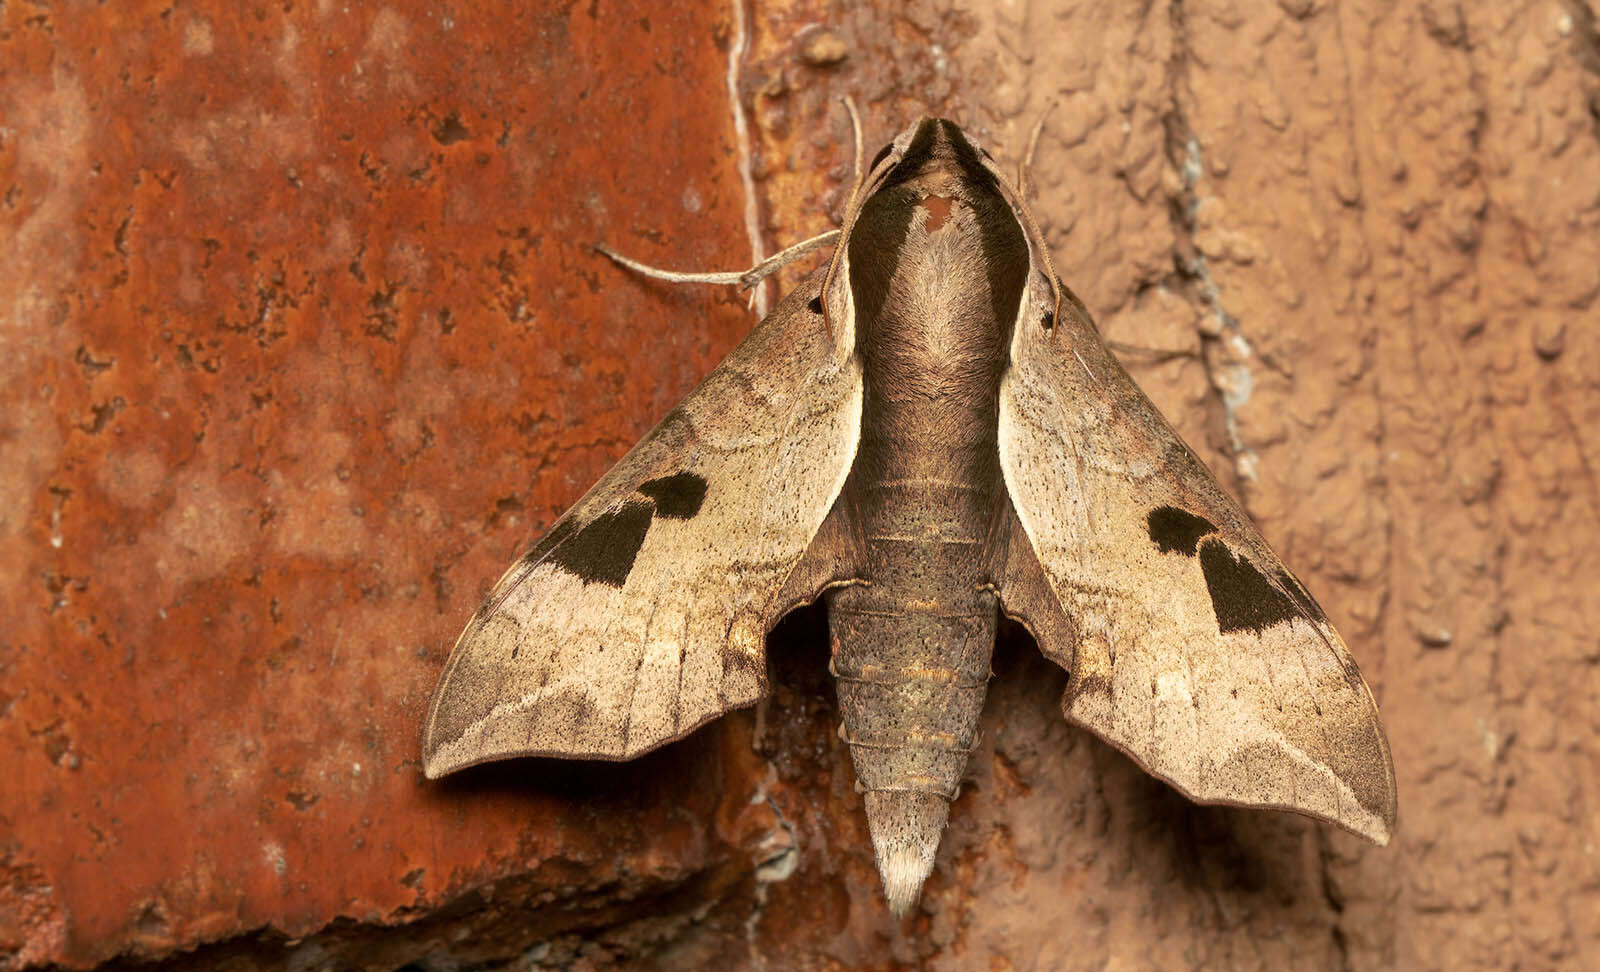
<point x="302" y="339"/>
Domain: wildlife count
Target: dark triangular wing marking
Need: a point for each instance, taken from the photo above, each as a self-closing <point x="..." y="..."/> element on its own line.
<point x="1190" y="645"/>
<point x="642" y="614"/>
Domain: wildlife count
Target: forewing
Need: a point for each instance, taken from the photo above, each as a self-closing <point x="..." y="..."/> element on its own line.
<point x="1190" y="646"/>
<point x="642" y="613"/>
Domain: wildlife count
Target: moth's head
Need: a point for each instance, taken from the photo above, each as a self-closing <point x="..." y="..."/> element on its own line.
<point x="941" y="169"/>
<point x="932" y="147"/>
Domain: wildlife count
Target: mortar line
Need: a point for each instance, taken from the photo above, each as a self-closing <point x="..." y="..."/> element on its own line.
<point x="741" y="130"/>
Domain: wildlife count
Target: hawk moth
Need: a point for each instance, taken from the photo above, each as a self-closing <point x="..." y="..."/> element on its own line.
<point x="927" y="432"/>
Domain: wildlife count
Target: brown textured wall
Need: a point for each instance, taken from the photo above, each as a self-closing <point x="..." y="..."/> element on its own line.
<point x="303" y="340"/>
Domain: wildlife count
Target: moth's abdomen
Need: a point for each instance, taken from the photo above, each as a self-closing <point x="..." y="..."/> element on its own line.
<point x="911" y="650"/>
<point x="911" y="685"/>
<point x="911" y="656"/>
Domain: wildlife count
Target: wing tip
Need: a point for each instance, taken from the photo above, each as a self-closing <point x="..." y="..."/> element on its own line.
<point x="435" y="762"/>
<point x="1375" y="823"/>
<point x="433" y="766"/>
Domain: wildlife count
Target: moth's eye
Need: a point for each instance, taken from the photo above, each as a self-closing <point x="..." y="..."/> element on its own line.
<point x="1049" y="319"/>
<point x="815" y="306"/>
<point x="883" y="153"/>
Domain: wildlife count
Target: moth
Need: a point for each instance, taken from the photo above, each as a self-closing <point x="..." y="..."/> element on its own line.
<point x="928" y="432"/>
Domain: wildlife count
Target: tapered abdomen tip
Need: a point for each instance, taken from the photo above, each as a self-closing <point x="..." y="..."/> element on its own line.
<point x="905" y="837"/>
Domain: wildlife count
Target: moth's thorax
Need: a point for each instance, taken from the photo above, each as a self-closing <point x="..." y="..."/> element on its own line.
<point x="933" y="259"/>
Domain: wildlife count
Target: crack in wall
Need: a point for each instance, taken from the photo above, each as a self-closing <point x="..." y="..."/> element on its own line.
<point x="1580" y="23"/>
<point x="1227" y="362"/>
<point x="781" y="847"/>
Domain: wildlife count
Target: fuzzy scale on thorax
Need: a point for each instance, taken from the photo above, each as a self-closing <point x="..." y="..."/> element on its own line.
<point x="912" y="646"/>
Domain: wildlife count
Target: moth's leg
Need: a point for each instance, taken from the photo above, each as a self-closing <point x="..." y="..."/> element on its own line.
<point x="747" y="279"/>
<point x="855" y="130"/>
<point x="743" y="279"/>
<point x="1152" y="355"/>
<point x="1025" y="168"/>
<point x="1024" y="190"/>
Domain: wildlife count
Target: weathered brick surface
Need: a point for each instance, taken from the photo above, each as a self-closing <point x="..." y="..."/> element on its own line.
<point x="303" y="337"/>
<point x="303" y="341"/>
